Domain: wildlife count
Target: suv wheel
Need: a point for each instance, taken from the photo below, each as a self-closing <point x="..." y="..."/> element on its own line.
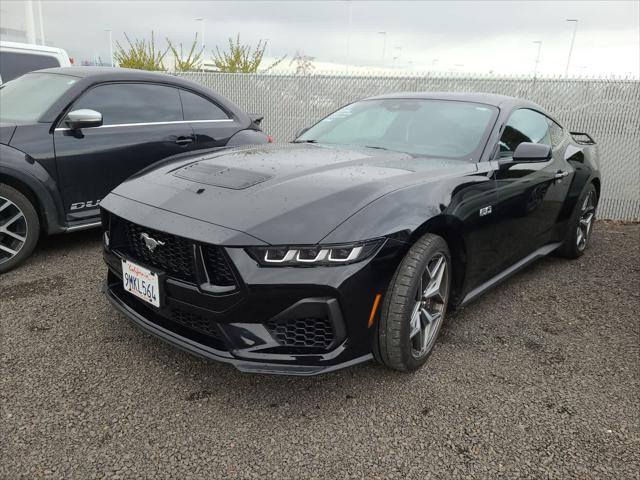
<point x="19" y="228"/>
<point x="415" y="305"/>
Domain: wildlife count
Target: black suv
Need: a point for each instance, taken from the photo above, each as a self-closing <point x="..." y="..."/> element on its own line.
<point x="68" y="136"/>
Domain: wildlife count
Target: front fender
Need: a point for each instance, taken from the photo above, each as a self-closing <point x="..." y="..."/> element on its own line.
<point x="457" y="199"/>
<point x="20" y="167"/>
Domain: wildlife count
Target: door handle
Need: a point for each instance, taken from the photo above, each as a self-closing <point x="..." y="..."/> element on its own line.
<point x="184" y="140"/>
<point x="560" y="175"/>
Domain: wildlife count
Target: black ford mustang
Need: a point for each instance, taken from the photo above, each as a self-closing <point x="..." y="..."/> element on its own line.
<point x="353" y="241"/>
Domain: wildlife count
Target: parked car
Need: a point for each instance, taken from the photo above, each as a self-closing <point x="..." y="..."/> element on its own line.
<point x="16" y="59"/>
<point x="70" y="135"/>
<point x="353" y="242"/>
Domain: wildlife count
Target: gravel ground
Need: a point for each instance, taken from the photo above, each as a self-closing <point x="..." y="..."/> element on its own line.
<point x="538" y="379"/>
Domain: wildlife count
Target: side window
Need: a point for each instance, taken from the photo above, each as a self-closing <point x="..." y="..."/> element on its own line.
<point x="14" y="64"/>
<point x="524" y="125"/>
<point x="196" y="107"/>
<point x="556" y="132"/>
<point x="132" y="103"/>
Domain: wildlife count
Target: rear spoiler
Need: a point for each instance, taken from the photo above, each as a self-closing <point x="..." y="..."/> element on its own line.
<point x="256" y="118"/>
<point x="582" y="138"/>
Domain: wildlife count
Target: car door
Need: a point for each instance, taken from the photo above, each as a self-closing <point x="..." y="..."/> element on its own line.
<point x="212" y="125"/>
<point x="142" y="124"/>
<point x="530" y="195"/>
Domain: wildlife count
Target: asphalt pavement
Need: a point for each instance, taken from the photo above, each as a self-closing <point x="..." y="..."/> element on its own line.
<point x="538" y="379"/>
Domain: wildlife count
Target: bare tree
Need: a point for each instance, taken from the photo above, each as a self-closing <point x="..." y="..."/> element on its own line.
<point x="191" y="61"/>
<point x="304" y="63"/>
<point x="242" y="58"/>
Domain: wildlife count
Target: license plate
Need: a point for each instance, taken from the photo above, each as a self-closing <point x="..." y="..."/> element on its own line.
<point x="141" y="282"/>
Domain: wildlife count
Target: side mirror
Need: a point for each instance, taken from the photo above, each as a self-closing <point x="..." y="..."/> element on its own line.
<point x="531" y="152"/>
<point x="83" y="118"/>
<point x="527" y="152"/>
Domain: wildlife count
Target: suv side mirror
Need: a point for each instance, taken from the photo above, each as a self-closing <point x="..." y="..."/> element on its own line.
<point x="83" y="118"/>
<point x="527" y="152"/>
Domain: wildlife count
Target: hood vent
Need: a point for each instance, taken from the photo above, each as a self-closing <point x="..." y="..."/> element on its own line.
<point x="219" y="176"/>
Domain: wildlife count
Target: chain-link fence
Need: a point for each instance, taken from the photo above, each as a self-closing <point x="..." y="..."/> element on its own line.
<point x="609" y="110"/>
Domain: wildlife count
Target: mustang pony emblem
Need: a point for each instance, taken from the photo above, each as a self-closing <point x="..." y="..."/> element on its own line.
<point x="150" y="243"/>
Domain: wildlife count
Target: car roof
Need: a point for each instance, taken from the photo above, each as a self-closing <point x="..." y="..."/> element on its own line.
<point x="94" y="75"/>
<point x="4" y="45"/>
<point x="476" y="97"/>
<point x="108" y="73"/>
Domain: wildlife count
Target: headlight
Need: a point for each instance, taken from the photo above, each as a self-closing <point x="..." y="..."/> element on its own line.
<point x="314" y="255"/>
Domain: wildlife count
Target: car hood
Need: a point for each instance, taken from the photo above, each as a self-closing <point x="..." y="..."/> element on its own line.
<point x="282" y="194"/>
<point x="6" y="132"/>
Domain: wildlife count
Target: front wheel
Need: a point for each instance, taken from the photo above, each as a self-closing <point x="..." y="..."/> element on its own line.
<point x="415" y="305"/>
<point x="19" y="228"/>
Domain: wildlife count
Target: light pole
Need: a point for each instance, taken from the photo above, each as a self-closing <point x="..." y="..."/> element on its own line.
<point x="433" y="63"/>
<point x="268" y="47"/>
<point x="201" y="19"/>
<point x="384" y="45"/>
<point x="573" y="39"/>
<point x="349" y="35"/>
<point x="399" y="49"/>
<point x="39" y="5"/>
<point x="31" y="27"/>
<point x="110" y="47"/>
<point x="535" y="69"/>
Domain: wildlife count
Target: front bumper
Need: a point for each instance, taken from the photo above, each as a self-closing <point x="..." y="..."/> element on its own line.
<point x="256" y="326"/>
<point x="202" y="350"/>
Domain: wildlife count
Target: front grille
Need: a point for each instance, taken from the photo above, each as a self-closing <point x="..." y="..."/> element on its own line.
<point x="218" y="267"/>
<point x="194" y="321"/>
<point x="310" y="332"/>
<point x="174" y="255"/>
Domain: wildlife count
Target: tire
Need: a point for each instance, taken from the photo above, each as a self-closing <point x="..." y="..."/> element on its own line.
<point x="580" y="225"/>
<point x="406" y="308"/>
<point x="19" y="228"/>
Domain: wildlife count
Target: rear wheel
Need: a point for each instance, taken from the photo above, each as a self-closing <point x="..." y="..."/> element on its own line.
<point x="19" y="228"/>
<point x="580" y="225"/>
<point x="415" y="305"/>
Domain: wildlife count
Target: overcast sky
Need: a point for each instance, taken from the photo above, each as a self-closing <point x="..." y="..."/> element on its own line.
<point x="471" y="36"/>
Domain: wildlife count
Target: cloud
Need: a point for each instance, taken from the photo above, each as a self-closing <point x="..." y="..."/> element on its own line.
<point x="481" y="36"/>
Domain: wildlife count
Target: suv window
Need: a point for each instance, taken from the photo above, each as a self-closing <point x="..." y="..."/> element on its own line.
<point x="524" y="125"/>
<point x="14" y="64"/>
<point x="122" y="103"/>
<point x="196" y="107"/>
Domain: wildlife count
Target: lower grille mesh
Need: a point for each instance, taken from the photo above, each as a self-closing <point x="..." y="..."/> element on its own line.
<point x="303" y="332"/>
<point x="194" y="321"/>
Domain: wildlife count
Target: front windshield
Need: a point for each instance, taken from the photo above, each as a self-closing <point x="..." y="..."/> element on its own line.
<point x="28" y="97"/>
<point x="432" y="128"/>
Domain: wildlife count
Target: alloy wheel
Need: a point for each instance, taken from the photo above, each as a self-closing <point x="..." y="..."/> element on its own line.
<point x="430" y="301"/>
<point x="587" y="215"/>
<point x="13" y="229"/>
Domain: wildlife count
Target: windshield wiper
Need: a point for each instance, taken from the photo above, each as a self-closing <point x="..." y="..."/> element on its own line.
<point x="305" y="141"/>
<point x="378" y="148"/>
